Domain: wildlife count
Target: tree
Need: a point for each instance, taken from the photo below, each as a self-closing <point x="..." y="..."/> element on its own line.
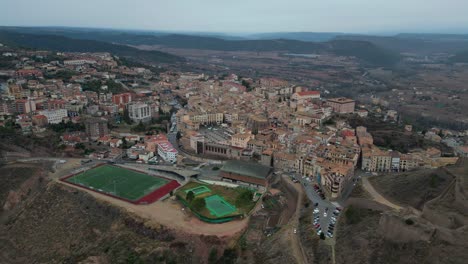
<point x="80" y="146"/>
<point x="190" y="196"/>
<point x="126" y="117"/>
<point x="255" y="131"/>
<point x="213" y="257"/>
<point x="322" y="236"/>
<point x="124" y="143"/>
<point x="198" y="203"/>
<point x="244" y="197"/>
<point x="139" y="128"/>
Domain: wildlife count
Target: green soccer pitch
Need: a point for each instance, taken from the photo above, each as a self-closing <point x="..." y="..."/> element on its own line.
<point x="128" y="184"/>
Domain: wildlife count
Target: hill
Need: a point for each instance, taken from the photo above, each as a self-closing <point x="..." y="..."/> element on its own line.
<point x="460" y="57"/>
<point x="365" y="51"/>
<point x="302" y="36"/>
<point x="431" y="227"/>
<point x="414" y="43"/>
<point x="65" y="44"/>
<point x="77" y="228"/>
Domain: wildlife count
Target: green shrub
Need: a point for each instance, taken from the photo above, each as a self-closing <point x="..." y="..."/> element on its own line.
<point x="198" y="204"/>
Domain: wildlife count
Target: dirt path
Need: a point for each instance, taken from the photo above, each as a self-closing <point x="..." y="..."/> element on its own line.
<point x="296" y="244"/>
<point x="169" y="213"/>
<point x="376" y="195"/>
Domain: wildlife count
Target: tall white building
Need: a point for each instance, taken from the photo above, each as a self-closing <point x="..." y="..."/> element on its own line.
<point x="139" y="112"/>
<point x="167" y="152"/>
<point x="54" y="116"/>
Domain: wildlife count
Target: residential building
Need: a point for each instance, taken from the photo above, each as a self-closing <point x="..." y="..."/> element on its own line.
<point x="55" y="116"/>
<point x="240" y="140"/>
<point x="341" y="105"/>
<point x="167" y="152"/>
<point x="24" y="106"/>
<point x="139" y="112"/>
<point x="96" y="128"/>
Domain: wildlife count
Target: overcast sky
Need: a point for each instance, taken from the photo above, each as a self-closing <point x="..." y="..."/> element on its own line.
<point x="243" y="16"/>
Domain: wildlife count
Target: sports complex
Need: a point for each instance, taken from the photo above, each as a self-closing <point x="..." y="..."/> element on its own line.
<point x="221" y="204"/>
<point x="125" y="184"/>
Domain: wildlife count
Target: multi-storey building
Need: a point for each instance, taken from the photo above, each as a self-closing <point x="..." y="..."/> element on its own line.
<point x="24" y="106"/>
<point x="240" y="140"/>
<point x="139" y="112"/>
<point x="342" y="105"/>
<point x="122" y="99"/>
<point x="167" y="152"/>
<point x="54" y="116"/>
<point x="96" y="128"/>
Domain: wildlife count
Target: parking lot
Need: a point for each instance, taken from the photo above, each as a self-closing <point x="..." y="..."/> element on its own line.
<point x="325" y="213"/>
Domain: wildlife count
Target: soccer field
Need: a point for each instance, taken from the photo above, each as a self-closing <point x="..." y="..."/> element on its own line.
<point x="128" y="184"/>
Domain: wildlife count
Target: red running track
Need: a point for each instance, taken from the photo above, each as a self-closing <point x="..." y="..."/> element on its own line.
<point x="158" y="193"/>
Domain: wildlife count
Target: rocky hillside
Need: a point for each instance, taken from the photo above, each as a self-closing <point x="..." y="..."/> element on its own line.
<point x="432" y="228"/>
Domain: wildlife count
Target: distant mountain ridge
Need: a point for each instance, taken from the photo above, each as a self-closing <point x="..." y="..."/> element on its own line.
<point x="365" y="51"/>
<point x="66" y="44"/>
<point x="422" y="44"/>
<point x="302" y="36"/>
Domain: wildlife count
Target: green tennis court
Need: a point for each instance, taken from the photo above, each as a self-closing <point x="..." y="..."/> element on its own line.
<point x="218" y="206"/>
<point x="199" y="190"/>
<point x="121" y="182"/>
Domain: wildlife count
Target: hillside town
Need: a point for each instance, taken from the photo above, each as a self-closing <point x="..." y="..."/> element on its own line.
<point x="108" y="111"/>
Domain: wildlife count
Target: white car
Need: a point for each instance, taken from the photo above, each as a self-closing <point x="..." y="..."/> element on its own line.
<point x="316" y="210"/>
<point x="295" y="230"/>
<point x="324" y="214"/>
<point x="319" y="231"/>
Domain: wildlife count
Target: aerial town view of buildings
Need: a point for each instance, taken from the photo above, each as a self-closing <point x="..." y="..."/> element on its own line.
<point x="218" y="146"/>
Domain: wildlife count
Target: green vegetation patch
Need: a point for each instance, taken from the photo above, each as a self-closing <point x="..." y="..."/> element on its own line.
<point x="199" y="190"/>
<point x="239" y="200"/>
<point x="124" y="183"/>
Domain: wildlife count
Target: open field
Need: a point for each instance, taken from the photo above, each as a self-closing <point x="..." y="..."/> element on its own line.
<point x="129" y="185"/>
